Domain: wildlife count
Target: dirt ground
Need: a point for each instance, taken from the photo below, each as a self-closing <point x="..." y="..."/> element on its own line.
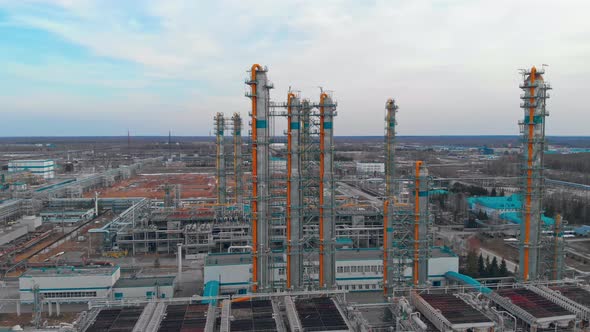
<point x="25" y="319"/>
<point x="192" y="185"/>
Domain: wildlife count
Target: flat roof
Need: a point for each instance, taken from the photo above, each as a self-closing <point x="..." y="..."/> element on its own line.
<point x="69" y="271"/>
<point x="256" y="315"/>
<point x="145" y="281"/>
<point x="574" y="293"/>
<point x="116" y="320"/>
<point x="320" y="314"/>
<point x="533" y="303"/>
<point x="455" y="310"/>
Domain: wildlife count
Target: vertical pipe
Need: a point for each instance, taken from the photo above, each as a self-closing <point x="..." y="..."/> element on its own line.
<point x="529" y="180"/>
<point x="179" y="253"/>
<point x="254" y="207"/>
<point x="417" y="223"/>
<point x="322" y="280"/>
<point x="237" y="119"/>
<point x="385" y="222"/>
<point x="557" y="234"/>
<point x="289" y="179"/>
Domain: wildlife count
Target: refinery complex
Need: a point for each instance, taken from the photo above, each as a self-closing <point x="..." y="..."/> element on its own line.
<point x="274" y="223"/>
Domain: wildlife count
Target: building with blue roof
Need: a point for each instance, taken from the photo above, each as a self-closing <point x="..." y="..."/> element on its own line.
<point x="505" y="208"/>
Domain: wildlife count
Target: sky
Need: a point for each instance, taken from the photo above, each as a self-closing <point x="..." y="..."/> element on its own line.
<point x="101" y="67"/>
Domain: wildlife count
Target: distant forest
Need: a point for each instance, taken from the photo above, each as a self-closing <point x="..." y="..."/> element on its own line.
<point x="468" y="140"/>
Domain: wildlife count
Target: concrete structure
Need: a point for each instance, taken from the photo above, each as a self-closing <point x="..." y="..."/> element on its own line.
<point x="43" y="168"/>
<point x="69" y="283"/>
<point x="144" y="288"/>
<point x="11" y="233"/>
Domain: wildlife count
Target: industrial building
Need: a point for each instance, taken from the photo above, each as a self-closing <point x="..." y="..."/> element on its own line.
<point x="81" y="284"/>
<point x="42" y="168"/>
<point x="356" y="269"/>
<point x="71" y="283"/>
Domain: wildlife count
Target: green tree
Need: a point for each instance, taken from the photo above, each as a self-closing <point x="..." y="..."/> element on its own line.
<point x="494" y="192"/>
<point x="471" y="268"/>
<point x="493" y="269"/>
<point x="486" y="268"/>
<point x="481" y="268"/>
<point x="503" y="269"/>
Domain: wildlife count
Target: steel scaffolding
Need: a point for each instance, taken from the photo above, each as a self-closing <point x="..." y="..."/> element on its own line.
<point x="532" y="129"/>
<point x="389" y="272"/>
<point x="259" y="94"/>
<point x="238" y="164"/>
<point x="220" y="159"/>
<point x="422" y="225"/>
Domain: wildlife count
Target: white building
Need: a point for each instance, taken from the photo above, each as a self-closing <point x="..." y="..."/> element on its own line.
<point x="75" y="284"/>
<point x="145" y="287"/>
<point x="43" y="168"/>
<point x="356" y="269"/>
<point x="370" y="168"/>
<point x="278" y="164"/>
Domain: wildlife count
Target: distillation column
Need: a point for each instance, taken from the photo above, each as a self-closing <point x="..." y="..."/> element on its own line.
<point x="421" y="225"/>
<point x="238" y="172"/>
<point x="327" y="275"/>
<point x="533" y="135"/>
<point x="220" y="159"/>
<point x="259" y="95"/>
<point x="294" y="195"/>
<point x="388" y="202"/>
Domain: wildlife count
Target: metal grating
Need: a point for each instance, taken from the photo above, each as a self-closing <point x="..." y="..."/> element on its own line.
<point x="184" y="318"/>
<point x="320" y="314"/>
<point x="455" y="310"/>
<point x="253" y="316"/>
<point x="116" y="320"/>
<point x="533" y="303"/>
<point x="574" y="293"/>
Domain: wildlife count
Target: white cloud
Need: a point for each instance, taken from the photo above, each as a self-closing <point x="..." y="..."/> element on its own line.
<point x="452" y="65"/>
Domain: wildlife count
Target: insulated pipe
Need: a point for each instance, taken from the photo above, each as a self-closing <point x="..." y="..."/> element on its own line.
<point x="417" y="222"/>
<point x="321" y="278"/>
<point x="385" y="248"/>
<point x="253" y="70"/>
<point x="556" y="234"/>
<point x="290" y="96"/>
<point x="529" y="180"/>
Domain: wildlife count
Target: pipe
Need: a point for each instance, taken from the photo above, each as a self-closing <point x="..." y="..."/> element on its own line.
<point x="529" y="185"/>
<point x="241" y="299"/>
<point x="289" y="175"/>
<point x="323" y="97"/>
<point x="253" y="86"/>
<point x="417" y="222"/>
<point x="556" y="235"/>
<point x="385" y="213"/>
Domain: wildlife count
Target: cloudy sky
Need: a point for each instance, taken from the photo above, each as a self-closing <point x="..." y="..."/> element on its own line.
<point x="98" y="67"/>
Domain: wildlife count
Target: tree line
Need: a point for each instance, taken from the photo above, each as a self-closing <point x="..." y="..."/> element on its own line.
<point x="478" y="267"/>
